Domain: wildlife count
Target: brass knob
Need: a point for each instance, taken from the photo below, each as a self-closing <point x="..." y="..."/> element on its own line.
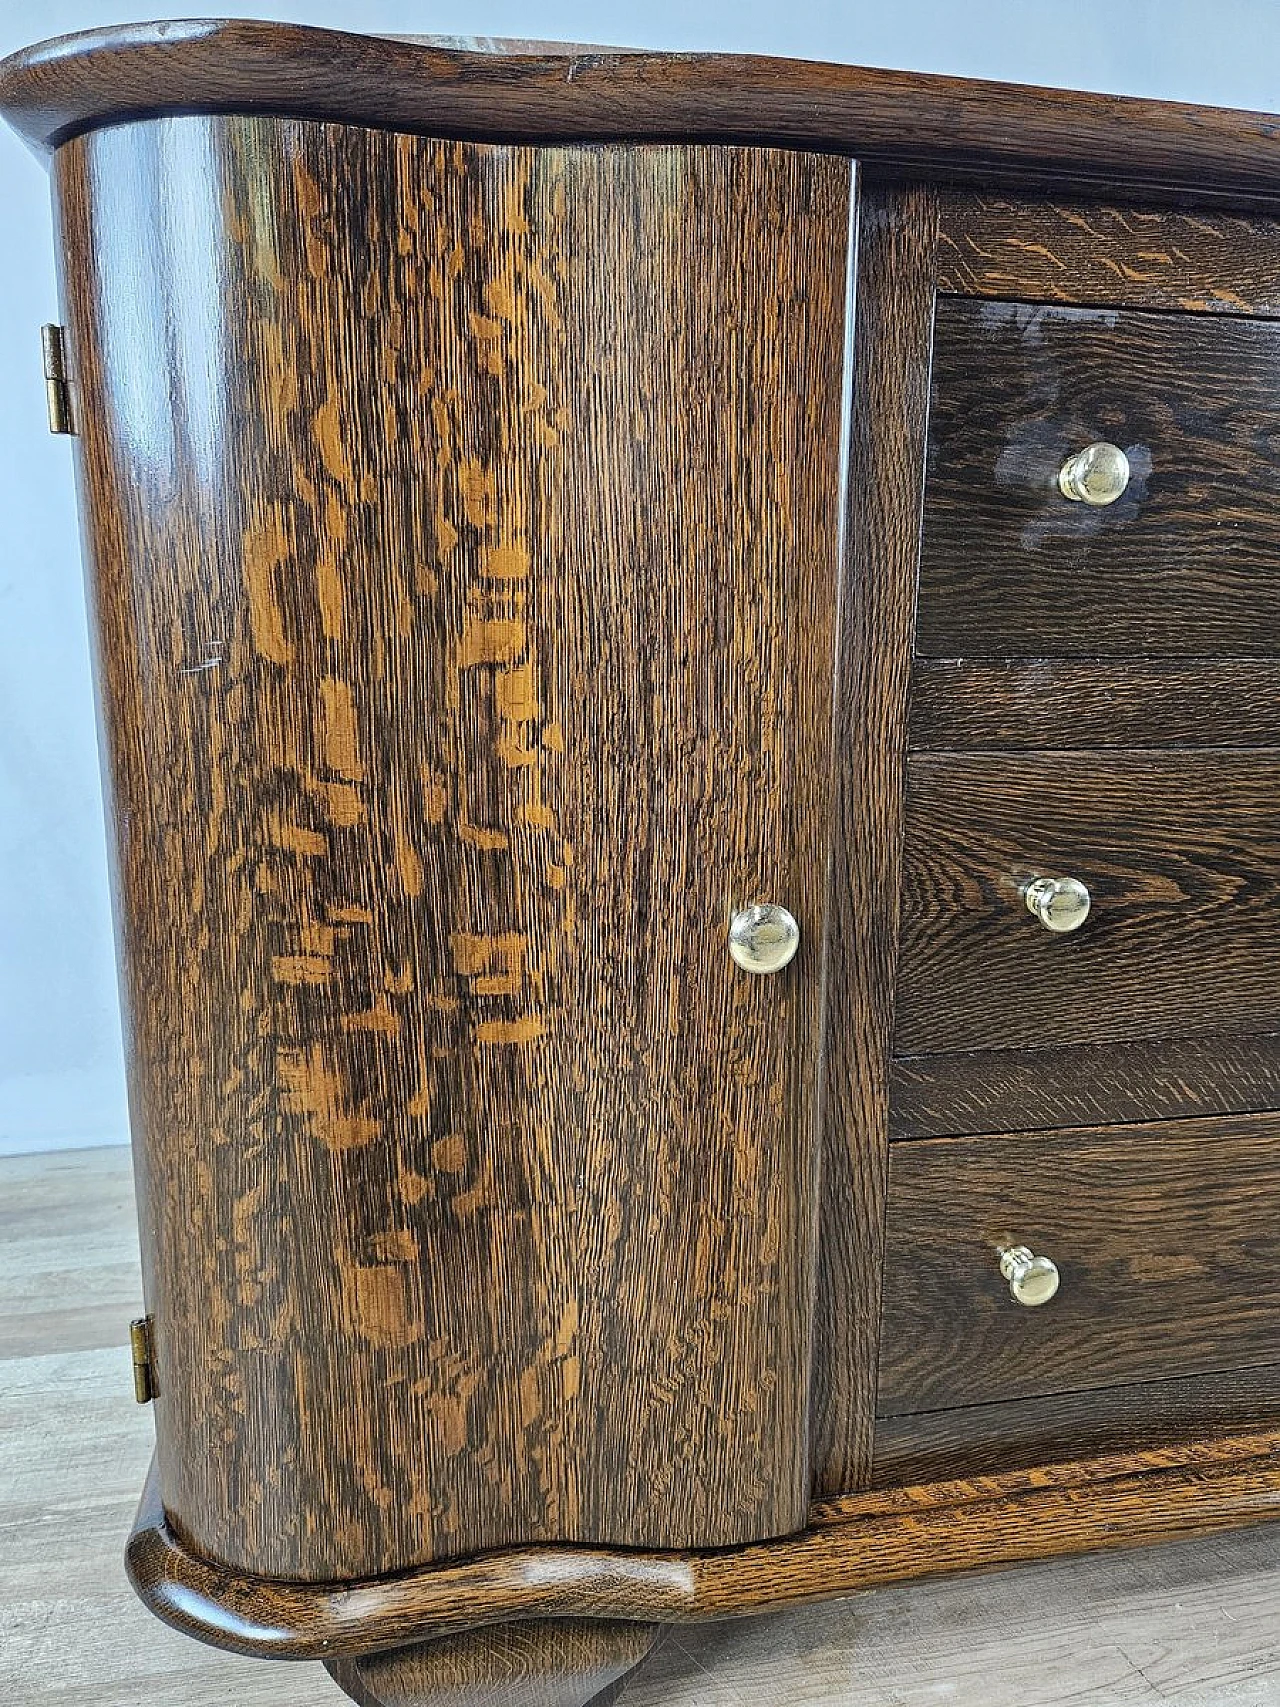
<point x="1098" y="474"/>
<point x="763" y="938"/>
<point x="1032" y="1280"/>
<point x="1060" y="903"/>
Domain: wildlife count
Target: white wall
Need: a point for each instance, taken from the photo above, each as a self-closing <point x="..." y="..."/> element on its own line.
<point x="60" y="1074"/>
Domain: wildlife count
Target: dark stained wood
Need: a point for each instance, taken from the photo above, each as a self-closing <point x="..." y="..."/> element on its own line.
<point x="976" y="1439"/>
<point x="1190" y="260"/>
<point x="466" y="598"/>
<point x="886" y="465"/>
<point x="1044" y="702"/>
<point x="1186" y="563"/>
<point x="467" y="524"/>
<point x="1013" y="1090"/>
<point x="1211" y="1452"/>
<point x="958" y="128"/>
<point x="1166" y="1236"/>
<point x="858" y="1542"/>
<point x="558" y="1662"/>
<point x="1180" y="854"/>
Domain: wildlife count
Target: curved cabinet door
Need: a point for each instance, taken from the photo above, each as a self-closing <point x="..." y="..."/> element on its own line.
<point x="463" y="525"/>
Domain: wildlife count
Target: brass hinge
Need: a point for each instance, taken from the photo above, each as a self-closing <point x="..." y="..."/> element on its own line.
<point x="144" y="1375"/>
<point x="55" y="379"/>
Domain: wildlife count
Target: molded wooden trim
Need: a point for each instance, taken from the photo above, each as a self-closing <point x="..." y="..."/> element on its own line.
<point x="963" y="129"/>
<point x="855" y="1542"/>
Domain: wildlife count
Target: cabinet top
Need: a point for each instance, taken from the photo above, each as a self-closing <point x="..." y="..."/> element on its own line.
<point x="946" y="127"/>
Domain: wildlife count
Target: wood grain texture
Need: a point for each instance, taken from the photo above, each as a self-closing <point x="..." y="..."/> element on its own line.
<point x="1166" y="1236"/>
<point x="895" y="258"/>
<point x="1186" y="563"/>
<point x="74" y="1450"/>
<point x="1046" y="702"/>
<point x="961" y="128"/>
<point x="1190" y="1625"/>
<point x="958" y="1527"/>
<point x="465" y="593"/>
<point x="1013" y="1090"/>
<point x="1188" y="260"/>
<point x="1180" y="855"/>
<point x="1209" y="1452"/>
<point x="561" y="1662"/>
<point x="973" y="1440"/>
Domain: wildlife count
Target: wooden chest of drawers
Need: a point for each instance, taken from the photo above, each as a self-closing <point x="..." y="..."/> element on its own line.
<point x="693" y="708"/>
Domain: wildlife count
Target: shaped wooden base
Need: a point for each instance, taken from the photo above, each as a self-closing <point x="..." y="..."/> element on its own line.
<point x="559" y="1662"/>
<point x="854" y="1541"/>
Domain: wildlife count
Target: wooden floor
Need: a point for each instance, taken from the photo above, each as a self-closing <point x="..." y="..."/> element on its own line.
<point x="1192" y="1625"/>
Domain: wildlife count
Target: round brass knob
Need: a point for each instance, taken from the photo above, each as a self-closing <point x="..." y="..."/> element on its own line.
<point x="1032" y="1280"/>
<point x="1098" y="474"/>
<point x="1060" y="903"/>
<point x="763" y="938"/>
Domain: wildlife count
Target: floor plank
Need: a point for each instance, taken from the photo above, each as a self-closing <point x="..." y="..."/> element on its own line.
<point x="1196" y="1624"/>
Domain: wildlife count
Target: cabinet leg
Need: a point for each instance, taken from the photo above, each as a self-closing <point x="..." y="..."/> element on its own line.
<point x="561" y="1662"/>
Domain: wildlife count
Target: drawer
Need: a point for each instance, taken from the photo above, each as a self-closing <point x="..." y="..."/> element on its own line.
<point x="1166" y="1238"/>
<point x="1186" y="562"/>
<point x="1181" y="857"/>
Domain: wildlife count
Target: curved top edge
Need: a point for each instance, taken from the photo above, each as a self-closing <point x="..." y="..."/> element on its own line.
<point x="942" y="126"/>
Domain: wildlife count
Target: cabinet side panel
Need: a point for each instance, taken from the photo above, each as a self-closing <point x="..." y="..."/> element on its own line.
<point x="464" y="526"/>
<point x="897" y="243"/>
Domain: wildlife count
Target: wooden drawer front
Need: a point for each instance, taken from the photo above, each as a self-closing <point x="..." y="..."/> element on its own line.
<point x="1186" y="562"/>
<point x="1180" y="853"/>
<point x="1166" y="1237"/>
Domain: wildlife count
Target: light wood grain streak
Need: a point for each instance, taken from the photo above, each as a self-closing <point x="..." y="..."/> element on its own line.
<point x="886" y="464"/>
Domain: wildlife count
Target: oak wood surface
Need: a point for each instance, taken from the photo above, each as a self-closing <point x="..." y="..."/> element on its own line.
<point x="1187" y="260"/>
<point x="560" y="1662"/>
<point x="1012" y="1090"/>
<point x="1117" y="1464"/>
<point x="1186" y="563"/>
<point x="1177" y="1626"/>
<point x="925" y="1533"/>
<point x="1047" y="702"/>
<point x="1166" y="1236"/>
<point x="1180" y="855"/>
<point x="1000" y="1436"/>
<point x="465" y="594"/>
<point x="955" y="127"/>
<point x="895" y="259"/>
<point x="1198" y="1616"/>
